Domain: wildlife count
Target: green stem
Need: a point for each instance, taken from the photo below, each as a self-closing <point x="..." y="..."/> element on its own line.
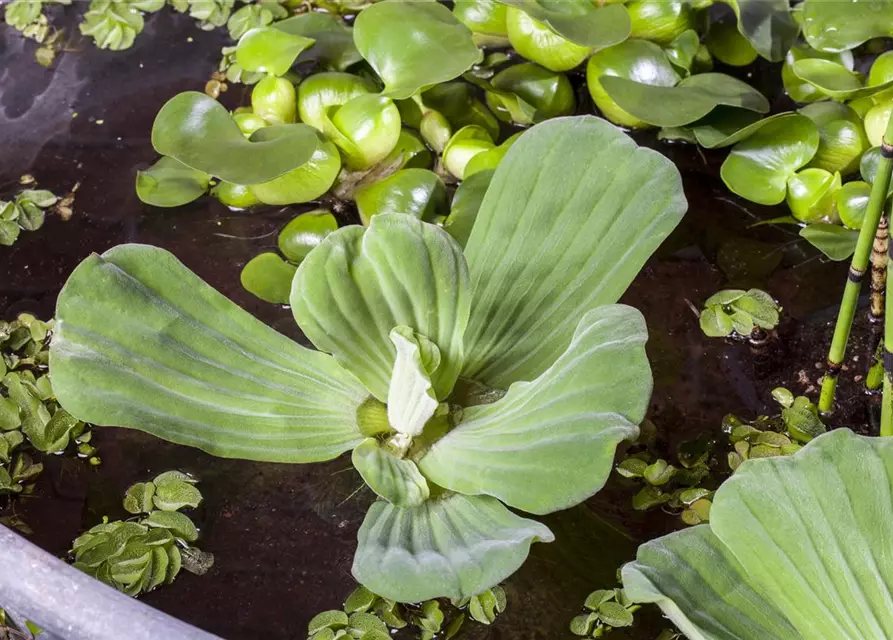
<point x="887" y="399"/>
<point x="857" y="269"/>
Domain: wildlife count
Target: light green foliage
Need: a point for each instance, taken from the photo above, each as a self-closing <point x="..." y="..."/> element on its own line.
<point x="26" y="212"/>
<point x="366" y="615"/>
<point x="603" y="611"/>
<point x="676" y="488"/>
<point x="385" y="301"/>
<point x="252" y="16"/>
<point x="209" y="13"/>
<point x="793" y="549"/>
<point x="738" y="312"/>
<point x="140" y="554"/>
<point x="31" y="419"/>
<point x="114" y="24"/>
<point x="772" y="436"/>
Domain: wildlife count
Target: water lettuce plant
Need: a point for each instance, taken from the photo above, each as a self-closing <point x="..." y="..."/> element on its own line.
<point x="795" y="548"/>
<point x="463" y="381"/>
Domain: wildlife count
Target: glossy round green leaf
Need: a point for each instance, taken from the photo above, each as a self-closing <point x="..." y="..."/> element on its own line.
<point x="794" y="549"/>
<point x="660" y="21"/>
<point x="759" y="167"/>
<point x="464" y="145"/>
<point x="729" y="46"/>
<point x="396" y="480"/>
<point x="539" y="43"/>
<point x="323" y="90"/>
<point x="851" y="201"/>
<point x="725" y="126"/>
<point x="170" y="183"/>
<point x="199" y="132"/>
<point x="767" y="24"/>
<point x="811" y="195"/>
<point x="690" y="100"/>
<point x="490" y="159"/>
<point x="308" y="182"/>
<point x="547" y="93"/>
<point x="455" y="546"/>
<point x="458" y="103"/>
<point x="413" y="45"/>
<point x="392" y="274"/>
<point x="366" y="129"/>
<point x="183" y="363"/>
<point x="418" y="192"/>
<point x="270" y="50"/>
<point x="638" y="61"/>
<point x="580" y="21"/>
<point x="275" y="100"/>
<point x="836" y="242"/>
<point x="235" y="196"/>
<point x="830" y="25"/>
<point x="486" y="17"/>
<point x="842" y="139"/>
<point x="465" y="206"/>
<point x="683" y="49"/>
<point x="540" y="257"/>
<point x="835" y="80"/>
<point x="561" y="428"/>
<point x="332" y="39"/>
<point x="304" y="233"/>
<point x="798" y="89"/>
<point x="268" y="277"/>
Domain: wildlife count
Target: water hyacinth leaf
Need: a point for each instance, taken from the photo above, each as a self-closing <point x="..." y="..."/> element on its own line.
<point x="399" y="271"/>
<point x="417" y="192"/>
<point x="268" y="277"/>
<point x="727" y="45"/>
<point x="868" y="166"/>
<point x="676" y="570"/>
<point x="800" y="90"/>
<point x="185" y="364"/>
<point x="758" y="168"/>
<point x="561" y="428"/>
<point x="541" y="256"/>
<point x="489" y="159"/>
<point x="411" y="400"/>
<point x="396" y="480"/>
<point x="170" y="183"/>
<point x="580" y="21"/>
<point x="836" y="242"/>
<point x="726" y="126"/>
<point x="842" y="138"/>
<point x="270" y="50"/>
<point x="809" y="532"/>
<point x="484" y="17"/>
<point x="811" y="195"/>
<point x="851" y="202"/>
<point x="465" y="206"/>
<point x="660" y="21"/>
<point x="682" y="51"/>
<point x="455" y="547"/>
<point x="199" y="132"/>
<point x="544" y="94"/>
<point x="690" y="100"/>
<point x="332" y="39"/>
<point x="304" y="233"/>
<point x="305" y="183"/>
<point x="767" y="24"/>
<point x="413" y="45"/>
<point x="835" y="80"/>
<point x="638" y="61"/>
<point x="366" y="129"/>
<point x="830" y="25"/>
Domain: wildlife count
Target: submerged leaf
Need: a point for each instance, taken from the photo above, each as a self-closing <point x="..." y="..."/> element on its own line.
<point x="455" y="547"/>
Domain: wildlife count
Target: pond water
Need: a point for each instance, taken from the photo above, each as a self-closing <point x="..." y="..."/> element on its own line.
<point x="284" y="535"/>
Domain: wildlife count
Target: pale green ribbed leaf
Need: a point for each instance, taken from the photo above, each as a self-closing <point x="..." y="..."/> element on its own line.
<point x="453" y="547"/>
<point x="702" y="588"/>
<point x="573" y="212"/>
<point x="358" y="284"/>
<point x="561" y="429"/>
<point x="142" y="342"/>
<point x="411" y="400"/>
<point x="396" y="480"/>
<point x="812" y="535"/>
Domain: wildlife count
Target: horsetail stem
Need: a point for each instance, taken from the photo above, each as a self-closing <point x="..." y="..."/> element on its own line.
<point x="854" y="280"/>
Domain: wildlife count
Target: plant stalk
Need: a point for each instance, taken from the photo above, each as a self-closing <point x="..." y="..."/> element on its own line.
<point x="887" y="399"/>
<point x="859" y="264"/>
<point x="879" y="270"/>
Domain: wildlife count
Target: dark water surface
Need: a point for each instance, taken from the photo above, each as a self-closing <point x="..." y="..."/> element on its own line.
<point x="284" y="535"/>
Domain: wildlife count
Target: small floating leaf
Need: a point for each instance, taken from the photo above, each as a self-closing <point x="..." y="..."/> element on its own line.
<point x="831" y="239"/>
<point x="268" y="277"/>
<point x="170" y="183"/>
